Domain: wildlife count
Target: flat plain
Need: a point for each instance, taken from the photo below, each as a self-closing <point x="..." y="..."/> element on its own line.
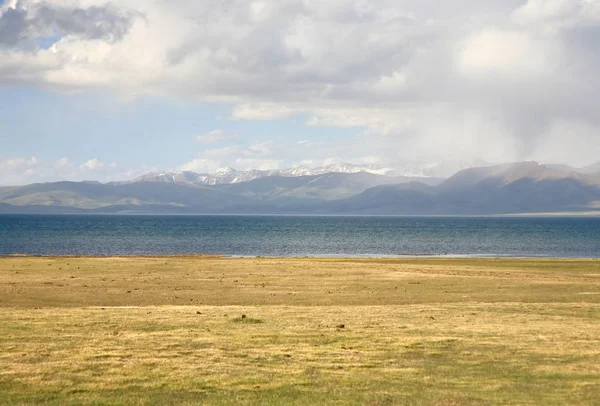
<point x="202" y="330"/>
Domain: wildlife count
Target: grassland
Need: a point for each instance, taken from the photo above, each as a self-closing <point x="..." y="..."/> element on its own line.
<point x="316" y="331"/>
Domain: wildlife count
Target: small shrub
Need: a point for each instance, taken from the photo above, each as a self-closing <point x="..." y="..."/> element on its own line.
<point x="247" y="320"/>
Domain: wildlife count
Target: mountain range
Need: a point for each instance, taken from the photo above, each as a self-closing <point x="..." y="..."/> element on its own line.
<point x="418" y="171"/>
<point x="229" y="175"/>
<point x="526" y="187"/>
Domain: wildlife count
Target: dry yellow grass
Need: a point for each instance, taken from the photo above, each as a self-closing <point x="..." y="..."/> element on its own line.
<point x="416" y="331"/>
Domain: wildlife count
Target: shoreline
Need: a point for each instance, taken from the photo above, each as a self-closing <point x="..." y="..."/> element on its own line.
<point x="566" y="214"/>
<point x="322" y="257"/>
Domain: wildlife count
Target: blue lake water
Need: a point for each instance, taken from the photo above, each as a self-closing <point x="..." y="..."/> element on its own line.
<point x="299" y="236"/>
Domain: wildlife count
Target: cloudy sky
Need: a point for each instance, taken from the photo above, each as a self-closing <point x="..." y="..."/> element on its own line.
<point x="91" y="89"/>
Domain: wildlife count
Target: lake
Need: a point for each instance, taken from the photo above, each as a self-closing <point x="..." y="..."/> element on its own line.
<point x="293" y="236"/>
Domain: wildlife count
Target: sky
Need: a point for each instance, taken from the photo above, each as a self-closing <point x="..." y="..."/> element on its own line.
<point x="109" y="90"/>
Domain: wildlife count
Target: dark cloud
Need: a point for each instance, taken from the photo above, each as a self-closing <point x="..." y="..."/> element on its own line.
<point x="22" y="27"/>
<point x="13" y="27"/>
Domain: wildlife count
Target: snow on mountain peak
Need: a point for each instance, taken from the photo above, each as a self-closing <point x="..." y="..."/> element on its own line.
<point x="224" y="171"/>
<point x="229" y="175"/>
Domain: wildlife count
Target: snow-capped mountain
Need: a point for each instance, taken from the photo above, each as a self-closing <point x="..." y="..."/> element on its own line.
<point x="441" y="169"/>
<point x="228" y="175"/>
<point x="338" y="168"/>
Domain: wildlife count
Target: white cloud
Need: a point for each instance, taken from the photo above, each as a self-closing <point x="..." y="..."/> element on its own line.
<point x="558" y="14"/>
<point x="260" y="154"/>
<point x="200" y="165"/>
<point x="498" y="52"/>
<point x="92" y="164"/>
<point x="20" y="162"/>
<point x="433" y="79"/>
<point x="376" y="120"/>
<point x="203" y="165"/>
<point x="261" y="111"/>
<point x="215" y="136"/>
<point x="260" y="149"/>
<point x="63" y="162"/>
<point x="260" y="164"/>
<point x="21" y="171"/>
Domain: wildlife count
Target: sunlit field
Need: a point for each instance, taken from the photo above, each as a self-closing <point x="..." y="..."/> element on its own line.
<point x="199" y="330"/>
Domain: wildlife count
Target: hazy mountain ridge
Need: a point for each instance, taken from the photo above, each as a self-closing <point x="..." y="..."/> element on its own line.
<point x="523" y="187"/>
<point x="510" y="188"/>
<point x="228" y="175"/>
<point x="329" y="186"/>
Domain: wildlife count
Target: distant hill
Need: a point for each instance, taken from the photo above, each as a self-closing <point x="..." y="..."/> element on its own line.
<point x="329" y="186"/>
<point x="93" y="195"/>
<point x="525" y="187"/>
<point x="512" y="188"/>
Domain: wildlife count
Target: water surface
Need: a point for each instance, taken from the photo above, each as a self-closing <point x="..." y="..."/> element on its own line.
<point x="289" y="236"/>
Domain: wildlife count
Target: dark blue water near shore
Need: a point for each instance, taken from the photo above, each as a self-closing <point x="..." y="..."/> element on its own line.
<point x="299" y="236"/>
